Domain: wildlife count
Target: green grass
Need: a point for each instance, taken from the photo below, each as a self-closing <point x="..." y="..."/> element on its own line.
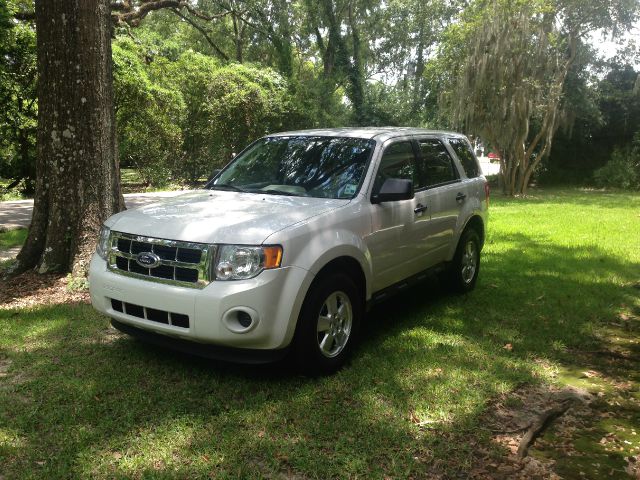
<point x="77" y="400"/>
<point x="12" y="238"/>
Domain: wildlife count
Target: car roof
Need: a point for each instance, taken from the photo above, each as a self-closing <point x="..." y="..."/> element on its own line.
<point x="375" y="133"/>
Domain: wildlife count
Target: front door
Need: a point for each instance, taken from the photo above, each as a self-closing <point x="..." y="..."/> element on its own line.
<point x="392" y="242"/>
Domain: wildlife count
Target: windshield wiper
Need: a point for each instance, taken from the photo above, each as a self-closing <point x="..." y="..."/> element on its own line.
<point x="226" y="186"/>
<point x="273" y="191"/>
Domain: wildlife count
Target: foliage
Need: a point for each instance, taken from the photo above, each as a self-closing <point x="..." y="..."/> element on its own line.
<point x="244" y="103"/>
<point x="601" y="113"/>
<point x="18" y="99"/>
<point x="226" y="107"/>
<point x="77" y="284"/>
<point x="149" y="117"/>
<point x="623" y="169"/>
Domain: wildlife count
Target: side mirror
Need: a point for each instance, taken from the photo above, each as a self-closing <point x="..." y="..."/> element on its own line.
<point x="393" y="190"/>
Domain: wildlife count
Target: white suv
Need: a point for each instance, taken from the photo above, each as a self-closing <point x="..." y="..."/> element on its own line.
<point x="288" y="245"/>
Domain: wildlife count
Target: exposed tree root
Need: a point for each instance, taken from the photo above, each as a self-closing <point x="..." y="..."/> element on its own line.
<point x="510" y="432"/>
<point x="540" y="424"/>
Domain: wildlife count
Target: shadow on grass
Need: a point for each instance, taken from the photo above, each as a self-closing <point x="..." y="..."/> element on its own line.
<point x="80" y="400"/>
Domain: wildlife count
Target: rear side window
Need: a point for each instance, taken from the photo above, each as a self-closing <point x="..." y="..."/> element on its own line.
<point x="437" y="164"/>
<point x="398" y="161"/>
<point x="464" y="153"/>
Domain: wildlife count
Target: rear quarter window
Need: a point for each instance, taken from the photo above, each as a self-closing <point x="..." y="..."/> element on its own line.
<point x="465" y="155"/>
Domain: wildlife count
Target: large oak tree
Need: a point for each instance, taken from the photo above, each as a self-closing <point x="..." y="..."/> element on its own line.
<point x="77" y="184"/>
<point x="78" y="181"/>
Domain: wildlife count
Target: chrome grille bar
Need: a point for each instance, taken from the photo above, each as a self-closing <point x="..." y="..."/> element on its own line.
<point x="185" y="264"/>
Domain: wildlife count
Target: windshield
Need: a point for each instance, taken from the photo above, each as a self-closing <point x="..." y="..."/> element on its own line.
<point x="323" y="167"/>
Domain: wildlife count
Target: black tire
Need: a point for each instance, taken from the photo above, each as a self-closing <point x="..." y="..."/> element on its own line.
<point x="460" y="276"/>
<point x="312" y="346"/>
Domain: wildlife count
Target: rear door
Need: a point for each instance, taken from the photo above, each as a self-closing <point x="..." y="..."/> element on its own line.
<point x="443" y="195"/>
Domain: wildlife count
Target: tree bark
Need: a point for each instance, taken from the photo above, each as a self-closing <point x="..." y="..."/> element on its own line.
<point x="77" y="185"/>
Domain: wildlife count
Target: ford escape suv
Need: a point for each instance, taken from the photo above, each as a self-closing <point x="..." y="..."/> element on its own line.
<point x="286" y="247"/>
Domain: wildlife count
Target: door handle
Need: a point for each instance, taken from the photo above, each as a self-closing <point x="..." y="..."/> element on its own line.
<point x="419" y="208"/>
<point x="460" y="197"/>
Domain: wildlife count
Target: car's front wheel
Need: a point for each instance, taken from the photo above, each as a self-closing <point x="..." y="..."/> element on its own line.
<point x="328" y="324"/>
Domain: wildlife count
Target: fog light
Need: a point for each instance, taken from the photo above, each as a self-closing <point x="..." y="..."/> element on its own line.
<point x="241" y="319"/>
<point x="244" y="319"/>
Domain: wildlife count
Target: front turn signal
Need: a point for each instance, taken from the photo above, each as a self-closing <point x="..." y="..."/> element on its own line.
<point x="272" y="256"/>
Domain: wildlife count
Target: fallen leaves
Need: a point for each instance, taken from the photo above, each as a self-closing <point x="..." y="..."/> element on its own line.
<point x="31" y="289"/>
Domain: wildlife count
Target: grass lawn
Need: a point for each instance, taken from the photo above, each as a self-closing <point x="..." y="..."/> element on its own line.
<point x="560" y="270"/>
<point x="12" y="238"/>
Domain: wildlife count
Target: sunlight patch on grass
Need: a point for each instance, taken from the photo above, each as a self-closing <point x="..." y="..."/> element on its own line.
<point x="12" y="238"/>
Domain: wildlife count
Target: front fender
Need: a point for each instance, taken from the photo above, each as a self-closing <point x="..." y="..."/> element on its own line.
<point x="313" y="245"/>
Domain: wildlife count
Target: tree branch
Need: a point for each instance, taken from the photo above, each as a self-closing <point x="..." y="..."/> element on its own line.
<point x="202" y="16"/>
<point x="203" y="32"/>
<point x="25" y="16"/>
<point x="134" y="14"/>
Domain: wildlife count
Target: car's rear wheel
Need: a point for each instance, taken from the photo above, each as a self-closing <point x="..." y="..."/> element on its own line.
<point x="462" y="273"/>
<point x="328" y="324"/>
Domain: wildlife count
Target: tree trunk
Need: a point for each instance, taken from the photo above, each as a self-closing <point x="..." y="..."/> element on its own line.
<point x="351" y="71"/>
<point x="356" y="75"/>
<point x="237" y="36"/>
<point x="77" y="185"/>
<point x="281" y="39"/>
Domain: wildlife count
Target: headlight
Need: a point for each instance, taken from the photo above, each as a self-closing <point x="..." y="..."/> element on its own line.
<point x="239" y="262"/>
<point x="102" y="248"/>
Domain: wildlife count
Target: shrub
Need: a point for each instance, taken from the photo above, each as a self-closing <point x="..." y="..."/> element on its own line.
<point x="623" y="169"/>
<point x="148" y="117"/>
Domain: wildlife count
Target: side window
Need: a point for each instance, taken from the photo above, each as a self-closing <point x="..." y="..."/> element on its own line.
<point x="437" y="164"/>
<point x="464" y="153"/>
<point x="398" y="161"/>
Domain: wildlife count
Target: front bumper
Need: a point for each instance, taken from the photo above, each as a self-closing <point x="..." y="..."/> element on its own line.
<point x="273" y="300"/>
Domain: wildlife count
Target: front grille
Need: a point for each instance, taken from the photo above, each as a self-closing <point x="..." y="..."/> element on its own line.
<point x="181" y="263"/>
<point x="176" y="319"/>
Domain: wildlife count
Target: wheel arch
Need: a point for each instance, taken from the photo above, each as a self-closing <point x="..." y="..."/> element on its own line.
<point x="477" y="224"/>
<point x="348" y="265"/>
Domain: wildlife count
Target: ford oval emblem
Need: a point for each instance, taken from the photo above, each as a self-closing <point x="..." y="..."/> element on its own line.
<point x="148" y="260"/>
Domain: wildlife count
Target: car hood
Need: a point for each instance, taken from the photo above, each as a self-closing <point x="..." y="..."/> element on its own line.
<point x="214" y="216"/>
